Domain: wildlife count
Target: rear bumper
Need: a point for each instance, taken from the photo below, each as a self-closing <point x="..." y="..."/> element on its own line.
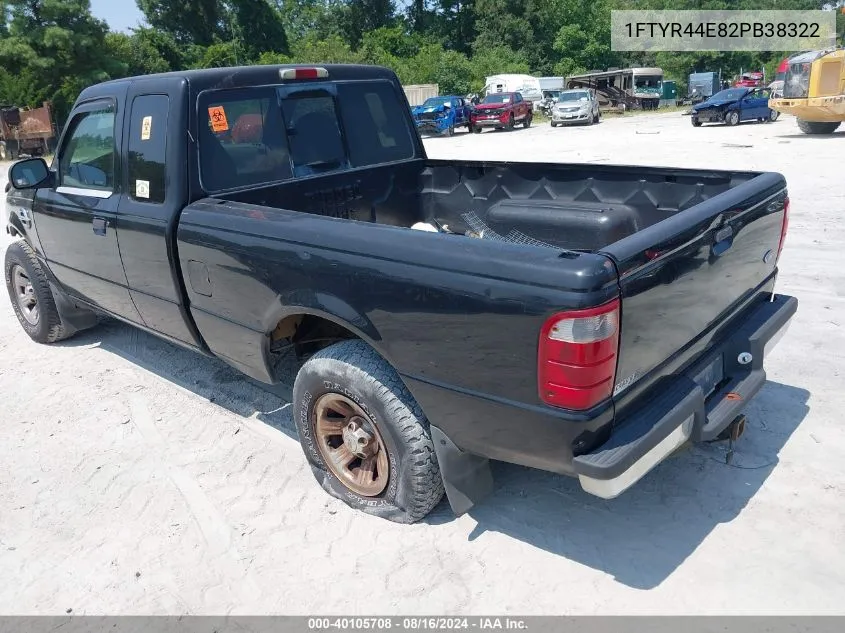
<point x="689" y="407"/>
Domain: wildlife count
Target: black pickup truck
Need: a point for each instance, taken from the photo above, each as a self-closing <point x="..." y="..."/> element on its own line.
<point x="582" y="319"/>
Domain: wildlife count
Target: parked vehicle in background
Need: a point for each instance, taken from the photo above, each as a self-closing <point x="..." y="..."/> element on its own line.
<point x="25" y="131"/>
<point x="550" y="98"/>
<point x="442" y="115"/>
<point x="751" y="79"/>
<point x="575" y="106"/>
<point x="501" y="110"/>
<point x="733" y="106"/>
<point x="588" y="320"/>
<point x="702" y="86"/>
<point x="814" y="91"/>
<point x="625" y="89"/>
<point x="526" y="85"/>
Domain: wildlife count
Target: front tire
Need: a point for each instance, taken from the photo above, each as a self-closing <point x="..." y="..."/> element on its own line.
<point x="30" y="294"/>
<point x="695" y="122"/>
<point x="475" y="129"/>
<point x="732" y="118"/>
<point x="817" y="127"/>
<point x="554" y="124"/>
<point x="510" y="124"/>
<point x="348" y="397"/>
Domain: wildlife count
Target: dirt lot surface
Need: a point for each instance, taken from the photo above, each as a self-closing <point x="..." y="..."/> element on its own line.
<point x="136" y="477"/>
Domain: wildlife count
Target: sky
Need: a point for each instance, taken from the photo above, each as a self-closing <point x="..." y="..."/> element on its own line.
<point x="120" y="14"/>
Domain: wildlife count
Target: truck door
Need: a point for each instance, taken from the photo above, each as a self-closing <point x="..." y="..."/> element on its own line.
<point x="151" y="201"/>
<point x="76" y="220"/>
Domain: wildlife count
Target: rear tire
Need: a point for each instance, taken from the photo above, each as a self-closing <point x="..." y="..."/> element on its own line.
<point x="30" y="294"/>
<point x="370" y="396"/>
<point x="527" y="122"/>
<point x="817" y="127"/>
<point x="773" y="116"/>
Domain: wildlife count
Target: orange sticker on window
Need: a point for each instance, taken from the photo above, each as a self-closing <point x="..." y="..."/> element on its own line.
<point x="217" y="116"/>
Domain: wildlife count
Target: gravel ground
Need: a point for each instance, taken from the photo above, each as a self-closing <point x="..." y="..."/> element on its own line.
<point x="138" y="478"/>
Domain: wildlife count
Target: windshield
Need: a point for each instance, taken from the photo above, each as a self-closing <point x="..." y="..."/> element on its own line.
<point x="436" y="101"/>
<point x="574" y="96"/>
<point x="648" y="81"/>
<point x="497" y="98"/>
<point x="732" y="93"/>
<point x="797" y="81"/>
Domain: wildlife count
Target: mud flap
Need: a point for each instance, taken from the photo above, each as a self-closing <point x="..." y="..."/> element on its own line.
<point x="74" y="319"/>
<point x="466" y="477"/>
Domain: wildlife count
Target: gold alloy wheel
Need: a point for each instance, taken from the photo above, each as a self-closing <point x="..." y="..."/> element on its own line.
<point x="350" y="444"/>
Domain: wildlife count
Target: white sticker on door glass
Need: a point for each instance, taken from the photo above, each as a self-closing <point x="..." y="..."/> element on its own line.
<point x="142" y="188"/>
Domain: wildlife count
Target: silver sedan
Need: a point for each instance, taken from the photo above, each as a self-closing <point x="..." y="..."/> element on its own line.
<point x="575" y="106"/>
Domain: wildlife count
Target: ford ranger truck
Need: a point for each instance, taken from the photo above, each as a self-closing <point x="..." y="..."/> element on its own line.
<point x="586" y="320"/>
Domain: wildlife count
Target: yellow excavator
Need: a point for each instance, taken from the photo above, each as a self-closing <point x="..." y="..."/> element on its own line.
<point x="814" y="91"/>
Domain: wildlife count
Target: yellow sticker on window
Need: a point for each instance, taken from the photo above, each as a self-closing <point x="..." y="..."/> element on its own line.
<point x="217" y="116"/>
<point x="146" y="128"/>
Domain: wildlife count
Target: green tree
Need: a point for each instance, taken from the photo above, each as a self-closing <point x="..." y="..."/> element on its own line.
<point x="188" y="21"/>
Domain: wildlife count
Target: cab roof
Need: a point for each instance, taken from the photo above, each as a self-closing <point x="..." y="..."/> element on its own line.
<point x="243" y="76"/>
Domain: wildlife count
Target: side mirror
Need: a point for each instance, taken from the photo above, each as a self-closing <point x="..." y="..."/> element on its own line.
<point x="28" y="174"/>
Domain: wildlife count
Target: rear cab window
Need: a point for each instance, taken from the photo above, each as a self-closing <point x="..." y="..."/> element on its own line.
<point x="262" y="135"/>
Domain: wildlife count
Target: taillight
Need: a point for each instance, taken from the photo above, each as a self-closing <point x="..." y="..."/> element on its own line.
<point x="577" y="357"/>
<point x="783" y="227"/>
<point x="303" y="73"/>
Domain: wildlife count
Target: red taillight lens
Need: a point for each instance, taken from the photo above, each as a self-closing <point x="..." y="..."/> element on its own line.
<point x="577" y="357"/>
<point x="783" y="227"/>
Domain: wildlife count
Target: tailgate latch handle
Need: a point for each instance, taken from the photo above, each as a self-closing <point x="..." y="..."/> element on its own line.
<point x="722" y="240"/>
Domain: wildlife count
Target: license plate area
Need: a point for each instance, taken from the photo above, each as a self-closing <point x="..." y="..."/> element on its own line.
<point x="710" y="376"/>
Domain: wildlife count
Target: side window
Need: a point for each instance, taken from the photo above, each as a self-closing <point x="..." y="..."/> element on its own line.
<point x="518" y="98"/>
<point x="87" y="158"/>
<point x="241" y="139"/>
<point x="375" y="134"/>
<point x="147" y="146"/>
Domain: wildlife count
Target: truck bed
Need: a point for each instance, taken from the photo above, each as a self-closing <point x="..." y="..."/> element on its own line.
<point x="687" y="251"/>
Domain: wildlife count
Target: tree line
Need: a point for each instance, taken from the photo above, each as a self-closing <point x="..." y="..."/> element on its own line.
<point x="51" y="49"/>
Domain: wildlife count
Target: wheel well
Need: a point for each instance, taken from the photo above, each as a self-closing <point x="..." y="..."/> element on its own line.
<point x="306" y="334"/>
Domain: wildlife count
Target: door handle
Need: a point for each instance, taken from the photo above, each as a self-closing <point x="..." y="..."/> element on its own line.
<point x="99" y="225"/>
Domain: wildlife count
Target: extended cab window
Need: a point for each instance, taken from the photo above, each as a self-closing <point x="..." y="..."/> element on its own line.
<point x="87" y="159"/>
<point x="147" y="146"/>
<point x="241" y="139"/>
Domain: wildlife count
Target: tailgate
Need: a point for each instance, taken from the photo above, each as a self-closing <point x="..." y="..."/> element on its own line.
<point x="684" y="276"/>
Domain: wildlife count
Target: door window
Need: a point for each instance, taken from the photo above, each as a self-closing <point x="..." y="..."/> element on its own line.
<point x="147" y="145"/>
<point x="87" y="160"/>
